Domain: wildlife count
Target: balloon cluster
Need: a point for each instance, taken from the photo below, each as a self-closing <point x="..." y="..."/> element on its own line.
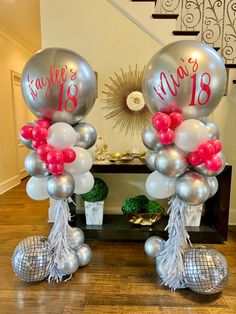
<point x="60" y="88"/>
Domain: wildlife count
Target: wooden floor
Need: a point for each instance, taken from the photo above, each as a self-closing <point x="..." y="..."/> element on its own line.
<point x="119" y="279"/>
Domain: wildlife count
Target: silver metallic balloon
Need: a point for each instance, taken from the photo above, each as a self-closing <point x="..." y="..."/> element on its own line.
<point x="84" y="255"/>
<point x="192" y="188"/>
<point x="205" y="270"/>
<point x="213" y="184"/>
<point x="27" y="143"/>
<point x="86" y="135"/>
<point x="59" y="84"/>
<point x="208" y="173"/>
<point x="71" y="264"/>
<point x="61" y="187"/>
<point x="186" y="76"/>
<point x="75" y="238"/>
<point x="213" y="130"/>
<point x="150" y="139"/>
<point x="31" y="258"/>
<point x="171" y="161"/>
<point x="150" y="158"/>
<point x="153" y="246"/>
<point x="35" y="166"/>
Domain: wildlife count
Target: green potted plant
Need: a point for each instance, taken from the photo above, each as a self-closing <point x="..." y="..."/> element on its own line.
<point x="94" y="202"/>
<point x="140" y="210"/>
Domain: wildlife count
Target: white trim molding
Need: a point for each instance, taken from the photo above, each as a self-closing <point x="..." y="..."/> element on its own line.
<point x="9" y="184"/>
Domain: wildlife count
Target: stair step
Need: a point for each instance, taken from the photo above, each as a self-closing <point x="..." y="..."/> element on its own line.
<point x="230" y="65"/>
<point x="165" y="16"/>
<point x="185" y="33"/>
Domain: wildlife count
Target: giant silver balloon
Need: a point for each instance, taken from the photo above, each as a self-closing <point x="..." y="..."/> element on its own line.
<point x="75" y="238"/>
<point x="86" y="135"/>
<point x="71" y="264"/>
<point x="213" y="184"/>
<point x="153" y="246"/>
<point x="61" y="187"/>
<point x="31" y="259"/>
<point x="59" y="84"/>
<point x="186" y="76"/>
<point x="209" y="173"/>
<point x="205" y="270"/>
<point x="192" y="188"/>
<point x="35" y="167"/>
<point x="150" y="158"/>
<point x="84" y="255"/>
<point x="212" y="128"/>
<point x="171" y="161"/>
<point x="150" y="139"/>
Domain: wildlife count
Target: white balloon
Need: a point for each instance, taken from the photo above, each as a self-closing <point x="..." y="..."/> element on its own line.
<point x="160" y="186"/>
<point x="190" y="134"/>
<point x="61" y="135"/>
<point x="82" y="163"/>
<point x="36" y="188"/>
<point x="83" y="182"/>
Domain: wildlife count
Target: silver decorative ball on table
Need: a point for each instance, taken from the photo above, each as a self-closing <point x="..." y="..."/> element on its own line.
<point x="75" y="238"/>
<point x="153" y="246"/>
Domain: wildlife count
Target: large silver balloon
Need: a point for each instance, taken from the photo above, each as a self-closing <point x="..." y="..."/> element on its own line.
<point x="35" y="167"/>
<point x="212" y="128"/>
<point x="150" y="158"/>
<point x="150" y="139"/>
<point x="205" y="270"/>
<point x="61" y="187"/>
<point x="59" y="84"/>
<point x="186" y="76"/>
<point x="75" y="238"/>
<point x="171" y="161"/>
<point x="84" y="255"/>
<point x="86" y="135"/>
<point x="153" y="246"/>
<point x="31" y="259"/>
<point x="192" y="188"/>
<point x="71" y="264"/>
<point x="213" y="184"/>
<point x="208" y="173"/>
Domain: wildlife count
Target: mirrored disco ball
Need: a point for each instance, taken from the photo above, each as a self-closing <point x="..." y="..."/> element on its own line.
<point x="31" y="258"/>
<point x="205" y="270"/>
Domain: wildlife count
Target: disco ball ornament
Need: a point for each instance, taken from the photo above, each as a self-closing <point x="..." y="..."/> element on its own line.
<point x="205" y="270"/>
<point x="31" y="258"/>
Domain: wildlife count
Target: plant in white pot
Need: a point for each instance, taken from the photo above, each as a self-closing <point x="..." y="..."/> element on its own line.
<point x="94" y="202"/>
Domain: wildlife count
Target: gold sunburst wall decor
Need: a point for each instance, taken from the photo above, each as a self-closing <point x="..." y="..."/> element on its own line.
<point x="125" y="103"/>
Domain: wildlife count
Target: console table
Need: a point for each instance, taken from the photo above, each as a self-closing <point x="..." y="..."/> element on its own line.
<point x="213" y="228"/>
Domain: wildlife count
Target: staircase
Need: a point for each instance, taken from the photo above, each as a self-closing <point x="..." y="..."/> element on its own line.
<point x="210" y="21"/>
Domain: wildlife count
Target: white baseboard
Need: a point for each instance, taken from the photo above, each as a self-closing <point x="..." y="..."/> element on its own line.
<point x="232" y="216"/>
<point x="9" y="184"/>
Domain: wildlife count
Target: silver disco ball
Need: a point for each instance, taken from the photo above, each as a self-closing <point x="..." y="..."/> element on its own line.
<point x="205" y="270"/>
<point x="31" y="258"/>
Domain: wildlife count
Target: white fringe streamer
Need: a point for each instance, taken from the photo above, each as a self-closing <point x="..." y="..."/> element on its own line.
<point x="58" y="240"/>
<point x="171" y="257"/>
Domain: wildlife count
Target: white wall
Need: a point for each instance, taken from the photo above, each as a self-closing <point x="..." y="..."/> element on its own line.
<point x="13" y="56"/>
<point x="109" y="41"/>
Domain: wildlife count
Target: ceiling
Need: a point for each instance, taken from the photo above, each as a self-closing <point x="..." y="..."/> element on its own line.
<point x="21" y="19"/>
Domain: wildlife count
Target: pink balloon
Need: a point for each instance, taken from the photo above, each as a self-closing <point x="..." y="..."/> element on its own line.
<point x="161" y="121"/>
<point x="217" y="145"/>
<point x="214" y="164"/>
<point x="26" y="132"/>
<point x="56" y="169"/>
<point x="55" y="157"/>
<point x="36" y="143"/>
<point x="166" y="137"/>
<point x="45" y="123"/>
<point x="43" y="150"/>
<point x="39" y="133"/>
<point x="176" y="119"/>
<point x="194" y="159"/>
<point x="69" y="155"/>
<point x="206" y="150"/>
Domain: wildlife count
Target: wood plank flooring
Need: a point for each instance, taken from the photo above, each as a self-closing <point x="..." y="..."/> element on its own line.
<point x="119" y="279"/>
